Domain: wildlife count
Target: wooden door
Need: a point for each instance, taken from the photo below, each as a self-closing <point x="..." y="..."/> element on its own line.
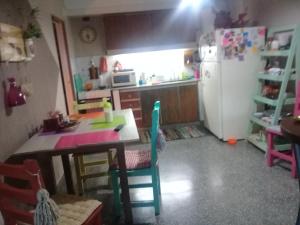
<point x="64" y="62"/>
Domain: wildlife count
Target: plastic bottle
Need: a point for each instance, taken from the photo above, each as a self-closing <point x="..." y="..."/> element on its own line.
<point x="108" y="114"/>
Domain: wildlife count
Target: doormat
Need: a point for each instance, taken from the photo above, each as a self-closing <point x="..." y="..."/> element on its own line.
<point x="175" y="133"/>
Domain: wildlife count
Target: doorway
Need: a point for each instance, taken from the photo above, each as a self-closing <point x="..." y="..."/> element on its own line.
<point x="64" y="62"/>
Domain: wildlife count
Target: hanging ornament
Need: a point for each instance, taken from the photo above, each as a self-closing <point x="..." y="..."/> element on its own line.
<point x="15" y="96"/>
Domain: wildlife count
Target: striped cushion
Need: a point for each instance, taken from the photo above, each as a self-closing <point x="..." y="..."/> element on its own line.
<point x="135" y="159"/>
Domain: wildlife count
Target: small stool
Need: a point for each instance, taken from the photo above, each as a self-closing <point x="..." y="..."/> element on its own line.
<point x="272" y="153"/>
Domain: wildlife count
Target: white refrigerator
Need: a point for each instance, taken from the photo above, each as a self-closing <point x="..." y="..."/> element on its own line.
<point x="228" y="80"/>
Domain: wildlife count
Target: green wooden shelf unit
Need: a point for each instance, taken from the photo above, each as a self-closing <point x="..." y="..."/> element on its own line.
<point x="288" y="76"/>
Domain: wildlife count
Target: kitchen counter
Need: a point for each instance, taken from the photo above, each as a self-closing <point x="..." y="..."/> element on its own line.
<point x="164" y="84"/>
<point x="94" y="94"/>
<point x="175" y="97"/>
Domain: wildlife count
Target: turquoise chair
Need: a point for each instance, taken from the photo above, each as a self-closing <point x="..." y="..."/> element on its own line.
<point x="141" y="163"/>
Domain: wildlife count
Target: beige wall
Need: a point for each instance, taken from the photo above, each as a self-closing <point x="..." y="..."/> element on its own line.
<point x="81" y="48"/>
<point x="279" y="13"/>
<point x="42" y="71"/>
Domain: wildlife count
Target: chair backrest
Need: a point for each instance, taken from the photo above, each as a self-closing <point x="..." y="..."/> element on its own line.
<point x="11" y="197"/>
<point x="154" y="131"/>
<point x="297" y="101"/>
<point x="78" y="83"/>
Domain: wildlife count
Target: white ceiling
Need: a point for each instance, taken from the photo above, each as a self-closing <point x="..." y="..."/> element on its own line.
<point x="97" y="7"/>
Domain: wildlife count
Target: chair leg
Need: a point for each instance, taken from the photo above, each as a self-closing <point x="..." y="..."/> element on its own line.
<point x="116" y="190"/>
<point x="155" y="191"/>
<point x="78" y="167"/>
<point x="293" y="165"/>
<point x="110" y="162"/>
<point x="9" y="221"/>
<point x="158" y="180"/>
<point x="269" y="149"/>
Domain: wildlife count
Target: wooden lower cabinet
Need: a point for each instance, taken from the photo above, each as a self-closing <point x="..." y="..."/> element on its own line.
<point x="131" y="100"/>
<point x="178" y="104"/>
<point x="188" y="97"/>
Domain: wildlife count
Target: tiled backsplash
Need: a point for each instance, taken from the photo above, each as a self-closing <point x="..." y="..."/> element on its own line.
<point x="166" y="65"/>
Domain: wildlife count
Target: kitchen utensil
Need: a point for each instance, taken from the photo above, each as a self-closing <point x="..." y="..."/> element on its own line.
<point x="103" y="65"/>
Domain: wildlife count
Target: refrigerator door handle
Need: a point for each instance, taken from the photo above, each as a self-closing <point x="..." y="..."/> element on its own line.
<point x="207" y="74"/>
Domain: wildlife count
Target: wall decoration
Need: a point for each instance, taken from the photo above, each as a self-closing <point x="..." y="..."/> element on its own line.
<point x="88" y="34"/>
<point x="237" y="44"/>
<point x="11" y="43"/>
<point x="15" y="96"/>
<point x="31" y="32"/>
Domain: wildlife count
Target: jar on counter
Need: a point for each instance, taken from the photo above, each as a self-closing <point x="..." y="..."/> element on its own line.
<point x="93" y="71"/>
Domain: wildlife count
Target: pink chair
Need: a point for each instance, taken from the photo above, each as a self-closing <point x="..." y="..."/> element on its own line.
<point x="272" y="132"/>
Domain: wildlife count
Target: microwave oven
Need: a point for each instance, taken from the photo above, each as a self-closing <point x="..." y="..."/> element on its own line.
<point x="124" y="78"/>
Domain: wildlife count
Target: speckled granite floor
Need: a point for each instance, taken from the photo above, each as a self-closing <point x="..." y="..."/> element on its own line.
<point x="207" y="182"/>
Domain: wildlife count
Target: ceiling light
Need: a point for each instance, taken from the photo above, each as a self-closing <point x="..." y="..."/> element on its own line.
<point x="189" y="3"/>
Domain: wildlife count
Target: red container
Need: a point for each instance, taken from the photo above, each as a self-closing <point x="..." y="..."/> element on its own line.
<point x="103" y="65"/>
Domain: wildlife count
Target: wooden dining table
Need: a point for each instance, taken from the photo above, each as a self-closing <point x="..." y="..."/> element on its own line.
<point x="44" y="146"/>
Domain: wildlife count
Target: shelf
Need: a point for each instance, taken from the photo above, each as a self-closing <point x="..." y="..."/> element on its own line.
<point x="259" y="122"/>
<point x="289" y="101"/>
<point x="283" y="53"/>
<point x="270" y="77"/>
<point x="265" y="100"/>
<point x="253" y="139"/>
<point x="273" y="102"/>
<point x="283" y="147"/>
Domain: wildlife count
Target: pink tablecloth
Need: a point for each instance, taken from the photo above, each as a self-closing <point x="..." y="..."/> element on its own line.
<point x="70" y="141"/>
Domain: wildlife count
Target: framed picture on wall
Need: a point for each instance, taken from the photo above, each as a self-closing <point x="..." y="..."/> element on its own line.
<point x="11" y="43"/>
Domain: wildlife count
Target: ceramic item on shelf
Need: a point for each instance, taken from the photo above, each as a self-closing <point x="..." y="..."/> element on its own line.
<point x="284" y="39"/>
<point x="27" y="88"/>
<point x="15" y="97"/>
<point x="29" y="47"/>
<point x="275" y="45"/>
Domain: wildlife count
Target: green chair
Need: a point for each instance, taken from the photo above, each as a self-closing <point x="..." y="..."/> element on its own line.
<point x="141" y="163"/>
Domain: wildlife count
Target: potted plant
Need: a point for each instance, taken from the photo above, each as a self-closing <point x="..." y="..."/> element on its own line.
<point x="32" y="31"/>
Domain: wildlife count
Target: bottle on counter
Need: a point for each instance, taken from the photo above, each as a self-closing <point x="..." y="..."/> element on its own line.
<point x="93" y="71"/>
<point x="108" y="114"/>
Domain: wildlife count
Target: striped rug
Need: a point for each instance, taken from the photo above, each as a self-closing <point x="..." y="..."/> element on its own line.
<point x="175" y="133"/>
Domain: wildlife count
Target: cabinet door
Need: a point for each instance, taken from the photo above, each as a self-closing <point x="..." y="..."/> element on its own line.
<point x="138" y="26"/>
<point x="147" y="100"/>
<point x="170" y="28"/>
<point x="188" y="96"/>
<point x="152" y="28"/>
<point x="160" y="26"/>
<point x="115" y="31"/>
<point x="170" y="108"/>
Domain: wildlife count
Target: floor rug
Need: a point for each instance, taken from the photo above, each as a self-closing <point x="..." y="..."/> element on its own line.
<point x="175" y="133"/>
